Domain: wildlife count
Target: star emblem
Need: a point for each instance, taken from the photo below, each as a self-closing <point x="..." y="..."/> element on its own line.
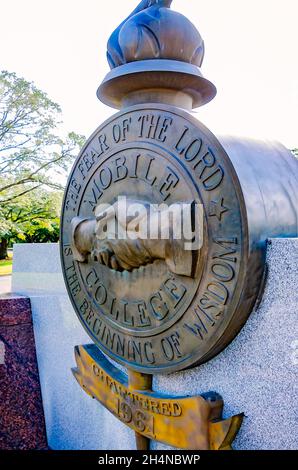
<point x="217" y="209"/>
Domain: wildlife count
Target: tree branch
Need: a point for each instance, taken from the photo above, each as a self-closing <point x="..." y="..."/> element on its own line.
<point x="5" y="201"/>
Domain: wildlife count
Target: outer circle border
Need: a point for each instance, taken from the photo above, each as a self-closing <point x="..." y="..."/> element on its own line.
<point x="244" y="303"/>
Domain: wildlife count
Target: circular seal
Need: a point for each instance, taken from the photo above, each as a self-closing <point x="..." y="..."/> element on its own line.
<point x="154" y="241"/>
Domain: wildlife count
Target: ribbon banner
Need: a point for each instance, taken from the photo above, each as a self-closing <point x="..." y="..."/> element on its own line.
<point x="193" y="423"/>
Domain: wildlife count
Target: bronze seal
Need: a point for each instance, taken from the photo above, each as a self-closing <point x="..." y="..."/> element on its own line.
<point x="156" y="309"/>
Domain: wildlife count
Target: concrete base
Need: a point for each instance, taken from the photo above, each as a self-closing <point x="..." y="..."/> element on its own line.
<point x="257" y="374"/>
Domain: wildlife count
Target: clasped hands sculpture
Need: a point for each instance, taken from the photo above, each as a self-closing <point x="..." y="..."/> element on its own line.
<point x="116" y="240"/>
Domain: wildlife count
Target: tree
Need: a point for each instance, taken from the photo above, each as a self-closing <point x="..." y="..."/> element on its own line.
<point x="31" y="218"/>
<point x="33" y="155"/>
<point x="295" y="152"/>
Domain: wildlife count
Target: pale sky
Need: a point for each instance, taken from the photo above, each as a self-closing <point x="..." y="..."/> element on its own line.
<point x="251" y="56"/>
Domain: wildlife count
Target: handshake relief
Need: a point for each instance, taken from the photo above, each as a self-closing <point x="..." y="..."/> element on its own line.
<point x="130" y="234"/>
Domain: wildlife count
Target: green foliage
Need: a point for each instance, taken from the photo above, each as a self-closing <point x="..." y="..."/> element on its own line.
<point x="32" y="218"/>
<point x="32" y="152"/>
<point x="295" y="152"/>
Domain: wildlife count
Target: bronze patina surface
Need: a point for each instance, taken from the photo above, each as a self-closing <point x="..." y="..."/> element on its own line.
<point x="150" y="31"/>
<point x="153" y="50"/>
<point x="183" y="422"/>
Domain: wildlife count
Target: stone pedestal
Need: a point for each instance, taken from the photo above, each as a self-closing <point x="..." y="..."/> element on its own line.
<point x="22" y="423"/>
<point x="257" y="374"/>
